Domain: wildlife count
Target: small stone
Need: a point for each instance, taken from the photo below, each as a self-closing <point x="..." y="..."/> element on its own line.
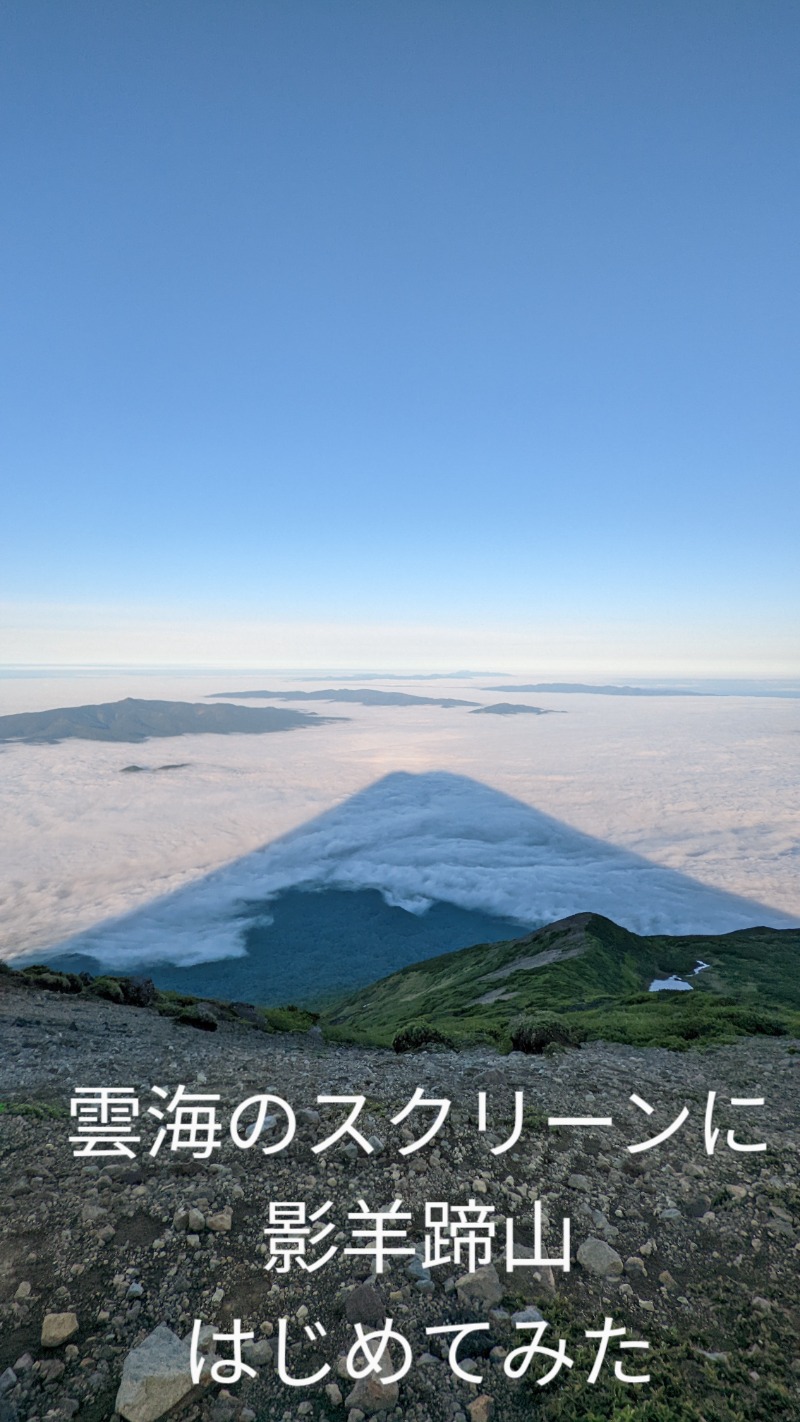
<point x="334" y="1394"/>
<point x="365" y="1305"/>
<point x="257" y="1354"/>
<point x="371" y="1395"/>
<point x="221" y="1222"/>
<point x="24" y="1290"/>
<point x="8" y="1379"/>
<point x="635" y="1268"/>
<point x="308" y="1116"/>
<point x="50" y="1369"/>
<point x="196" y="1221"/>
<point x="527" y="1315"/>
<point x="482" y="1409"/>
<point x="580" y="1182"/>
<point x="58" y="1328"/>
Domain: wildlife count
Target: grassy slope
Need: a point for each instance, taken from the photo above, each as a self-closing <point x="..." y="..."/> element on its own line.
<point x="600" y="984"/>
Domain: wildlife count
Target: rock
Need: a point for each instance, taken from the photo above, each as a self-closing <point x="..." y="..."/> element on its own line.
<point x="334" y="1394"/>
<point x="24" y="1290"/>
<point x="529" y="1280"/>
<point x="365" y="1305"/>
<point x="8" y="1379"/>
<point x="482" y="1409"/>
<point x="50" y="1369"/>
<point x="58" y="1328"/>
<point x="308" y="1116"/>
<point x="155" y="1377"/>
<point x="196" y="1221"/>
<point x="580" y="1182"/>
<point x="370" y="1395"/>
<point x="597" y="1257"/>
<point x="257" y="1354"/>
<point x="635" y="1268"/>
<point x="415" y="1269"/>
<point x="527" y="1315"/>
<point x="221" y="1222"/>
<point x="483" y="1286"/>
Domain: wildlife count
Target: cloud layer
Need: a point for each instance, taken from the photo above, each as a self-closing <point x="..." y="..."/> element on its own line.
<point x="418" y="839"/>
<point x="708" y="789"/>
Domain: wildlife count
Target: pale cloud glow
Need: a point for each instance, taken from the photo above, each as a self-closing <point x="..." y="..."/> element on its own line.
<point x="578" y="646"/>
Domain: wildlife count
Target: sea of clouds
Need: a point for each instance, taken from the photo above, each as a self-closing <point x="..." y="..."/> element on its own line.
<point x="668" y="815"/>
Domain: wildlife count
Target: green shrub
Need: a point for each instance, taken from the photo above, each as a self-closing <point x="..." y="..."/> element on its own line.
<point x="289" y="1019"/>
<point x="418" y="1035"/>
<point x="107" y="988"/>
<point x="197" y="1016"/>
<point x="44" y="977"/>
<point x="536" y="1031"/>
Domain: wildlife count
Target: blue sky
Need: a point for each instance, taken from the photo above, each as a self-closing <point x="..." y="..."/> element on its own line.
<point x="422" y="333"/>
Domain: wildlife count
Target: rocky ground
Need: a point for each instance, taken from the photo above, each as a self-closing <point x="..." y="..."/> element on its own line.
<point x="106" y="1262"/>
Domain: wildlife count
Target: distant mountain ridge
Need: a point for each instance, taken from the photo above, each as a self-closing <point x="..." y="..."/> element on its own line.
<point x="134" y="720"/>
<point x="365" y="697"/>
<point x="579" y="686"/>
<point x="511" y="708"/>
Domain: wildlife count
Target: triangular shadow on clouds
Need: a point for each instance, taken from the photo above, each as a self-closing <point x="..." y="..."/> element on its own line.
<point x="414" y="864"/>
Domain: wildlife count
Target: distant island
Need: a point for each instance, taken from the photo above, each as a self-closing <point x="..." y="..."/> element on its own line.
<point x="511" y="708"/>
<point x="598" y="690"/>
<point x="136" y="720"/>
<point x="365" y="697"/>
<point x="153" y="769"/>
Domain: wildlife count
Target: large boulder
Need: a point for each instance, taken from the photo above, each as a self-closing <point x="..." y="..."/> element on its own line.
<point x="155" y="1377"/>
<point x="483" y="1286"/>
<point x="597" y="1257"/>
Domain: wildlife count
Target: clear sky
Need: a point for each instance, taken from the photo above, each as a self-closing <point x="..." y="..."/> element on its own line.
<point x="421" y="332"/>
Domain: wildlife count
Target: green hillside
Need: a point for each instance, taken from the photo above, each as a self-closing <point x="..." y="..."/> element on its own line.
<point x="594" y="977"/>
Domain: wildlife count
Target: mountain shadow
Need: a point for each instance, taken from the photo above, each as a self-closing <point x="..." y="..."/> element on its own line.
<point x="410" y="867"/>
